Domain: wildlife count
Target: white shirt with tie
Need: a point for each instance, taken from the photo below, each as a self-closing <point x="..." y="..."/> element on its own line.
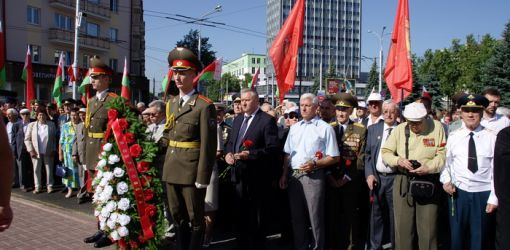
<point x="456" y="168"/>
<point x="186" y="97"/>
<point x="380" y="166"/>
<point x="101" y="95"/>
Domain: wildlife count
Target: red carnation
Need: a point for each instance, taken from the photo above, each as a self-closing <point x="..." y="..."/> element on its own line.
<point x="318" y="155"/>
<point x="148" y="194"/>
<point x="348" y="162"/>
<point x="141" y="238"/>
<point x="135" y="150"/>
<point x="130" y="138"/>
<point x="122" y="244"/>
<point x="146" y="180"/>
<point x="123" y="124"/>
<point x="247" y="144"/>
<point x="133" y="244"/>
<point x="142" y="166"/>
<point x="150" y="210"/>
<point x="372" y="199"/>
<point x="112" y="114"/>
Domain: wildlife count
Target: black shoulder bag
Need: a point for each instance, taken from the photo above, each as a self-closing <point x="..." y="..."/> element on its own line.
<point x="419" y="186"/>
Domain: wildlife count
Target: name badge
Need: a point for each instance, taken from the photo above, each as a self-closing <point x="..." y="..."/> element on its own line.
<point x="429" y="142"/>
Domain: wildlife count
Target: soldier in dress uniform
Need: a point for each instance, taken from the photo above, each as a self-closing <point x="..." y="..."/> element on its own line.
<point x="347" y="208"/>
<point x="191" y="153"/>
<point x="96" y="119"/>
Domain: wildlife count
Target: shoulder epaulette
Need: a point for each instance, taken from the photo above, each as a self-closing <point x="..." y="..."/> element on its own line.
<point x="205" y="99"/>
<point x="334" y="124"/>
<point x="111" y="94"/>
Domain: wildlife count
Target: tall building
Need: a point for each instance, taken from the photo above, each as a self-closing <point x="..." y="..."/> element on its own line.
<point x="111" y="29"/>
<point x="246" y="64"/>
<point x="331" y="34"/>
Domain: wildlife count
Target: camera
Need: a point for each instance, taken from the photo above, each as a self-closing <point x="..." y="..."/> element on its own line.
<point x="415" y="164"/>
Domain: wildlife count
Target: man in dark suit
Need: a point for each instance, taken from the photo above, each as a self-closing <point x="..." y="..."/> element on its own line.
<point x="501" y="177"/>
<point x="380" y="179"/>
<point x="252" y="145"/>
<point x="191" y="153"/>
<point x="25" y="169"/>
<point x="96" y="119"/>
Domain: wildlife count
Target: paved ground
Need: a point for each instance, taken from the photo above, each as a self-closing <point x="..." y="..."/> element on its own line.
<point x="49" y="221"/>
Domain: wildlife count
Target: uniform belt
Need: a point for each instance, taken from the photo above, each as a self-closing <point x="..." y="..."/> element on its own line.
<point x="184" y="144"/>
<point x="96" y="135"/>
<point x="298" y="171"/>
<point x="386" y="174"/>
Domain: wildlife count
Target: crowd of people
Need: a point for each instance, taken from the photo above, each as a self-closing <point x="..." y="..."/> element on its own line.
<point x="332" y="174"/>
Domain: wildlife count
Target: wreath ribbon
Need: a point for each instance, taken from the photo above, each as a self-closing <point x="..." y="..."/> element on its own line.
<point x="145" y="220"/>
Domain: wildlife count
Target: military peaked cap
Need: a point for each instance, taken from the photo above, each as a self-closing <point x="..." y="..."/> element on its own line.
<point x="183" y="59"/>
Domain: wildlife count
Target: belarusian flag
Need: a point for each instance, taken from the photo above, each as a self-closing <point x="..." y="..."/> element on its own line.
<point x="57" y="86"/>
<point x="85" y="88"/>
<point x="125" y="92"/>
<point x="255" y="79"/>
<point x="212" y="71"/>
<point x="2" y="56"/>
<point x="166" y="82"/>
<point x="28" y="77"/>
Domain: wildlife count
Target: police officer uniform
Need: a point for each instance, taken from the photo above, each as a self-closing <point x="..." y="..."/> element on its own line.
<point x="191" y="154"/>
<point x="348" y="204"/>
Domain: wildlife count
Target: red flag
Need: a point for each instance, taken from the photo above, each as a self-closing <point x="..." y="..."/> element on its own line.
<point x="166" y="82"/>
<point x="29" y="78"/>
<point x="284" y="51"/>
<point x="399" y="73"/>
<point x="255" y="79"/>
<point x="126" y="89"/>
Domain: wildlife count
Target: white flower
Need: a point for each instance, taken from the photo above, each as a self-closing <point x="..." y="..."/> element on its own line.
<point x="107" y="147"/>
<point x="123" y="219"/>
<point x="115" y="235"/>
<point x="118" y="172"/>
<point x="107" y="175"/>
<point x="122" y="188"/>
<point x="110" y="206"/>
<point x="123" y="231"/>
<point x="99" y="174"/>
<point x="105" y="213"/>
<point x="112" y="159"/>
<point x="111" y="223"/>
<point x="97" y="213"/>
<point x="102" y="225"/>
<point x="103" y="153"/>
<point x="123" y="204"/>
<point x="114" y="216"/>
<point x="99" y="189"/>
<point x="101" y="163"/>
<point x="106" y="194"/>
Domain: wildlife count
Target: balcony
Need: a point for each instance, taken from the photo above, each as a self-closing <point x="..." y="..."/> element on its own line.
<point x="92" y="10"/>
<point x="67" y="37"/>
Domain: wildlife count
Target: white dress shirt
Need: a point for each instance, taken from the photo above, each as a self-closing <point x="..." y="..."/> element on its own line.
<point x="496" y="123"/>
<point x="42" y="137"/>
<point x="101" y="95"/>
<point x="380" y="166"/>
<point x="370" y="123"/>
<point x="9" y="127"/>
<point x="456" y="168"/>
<point x="186" y="97"/>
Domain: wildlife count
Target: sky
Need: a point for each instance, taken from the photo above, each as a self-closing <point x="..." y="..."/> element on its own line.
<point x="434" y="23"/>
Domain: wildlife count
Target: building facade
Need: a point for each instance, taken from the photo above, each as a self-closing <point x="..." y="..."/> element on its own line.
<point x="111" y="29"/>
<point x="332" y="35"/>
<point x="246" y="64"/>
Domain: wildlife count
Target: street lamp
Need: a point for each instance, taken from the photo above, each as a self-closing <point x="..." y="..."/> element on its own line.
<point x="380" y="37"/>
<point x="320" y="67"/>
<point x="218" y="8"/>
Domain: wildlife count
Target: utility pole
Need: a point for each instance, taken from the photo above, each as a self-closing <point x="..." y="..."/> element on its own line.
<point x="380" y="37"/>
<point x="154" y="86"/>
<point x="77" y="24"/>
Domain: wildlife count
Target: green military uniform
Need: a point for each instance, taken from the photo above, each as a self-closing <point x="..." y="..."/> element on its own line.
<point x="428" y="147"/>
<point x="191" y="155"/>
<point x="348" y="204"/>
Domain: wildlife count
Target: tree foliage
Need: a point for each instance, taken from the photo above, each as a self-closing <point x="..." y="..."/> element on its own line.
<point x="216" y="88"/>
<point x="373" y="79"/>
<point x="190" y="41"/>
<point x="496" y="71"/>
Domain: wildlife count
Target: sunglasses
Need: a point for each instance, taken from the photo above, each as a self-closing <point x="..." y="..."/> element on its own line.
<point x="411" y="123"/>
<point x="291" y="115"/>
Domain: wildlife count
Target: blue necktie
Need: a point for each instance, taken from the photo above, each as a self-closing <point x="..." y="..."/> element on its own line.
<point x="242" y="131"/>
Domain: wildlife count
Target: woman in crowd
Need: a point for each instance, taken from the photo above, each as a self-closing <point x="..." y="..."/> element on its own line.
<point x="67" y="138"/>
<point x="41" y="142"/>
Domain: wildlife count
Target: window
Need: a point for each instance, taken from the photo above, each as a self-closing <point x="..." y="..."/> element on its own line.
<point x="114" y="34"/>
<point x="258" y="60"/>
<point x="252" y="70"/>
<point x="113" y="64"/>
<point x="92" y="29"/>
<point x="86" y="61"/>
<point x="63" y="22"/>
<point x="35" y="50"/>
<point x="114" y="6"/>
<point x="33" y="15"/>
<point x="68" y="56"/>
<point x="253" y="60"/>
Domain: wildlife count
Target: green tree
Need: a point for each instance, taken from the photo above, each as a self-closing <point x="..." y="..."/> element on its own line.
<point x="373" y="79"/>
<point x="496" y="71"/>
<point x="216" y="88"/>
<point x="190" y="41"/>
<point x="247" y="80"/>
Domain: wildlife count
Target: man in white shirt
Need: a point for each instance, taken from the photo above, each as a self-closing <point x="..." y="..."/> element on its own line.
<point x="375" y="109"/>
<point x="12" y="117"/>
<point x="468" y="176"/>
<point x="490" y="119"/>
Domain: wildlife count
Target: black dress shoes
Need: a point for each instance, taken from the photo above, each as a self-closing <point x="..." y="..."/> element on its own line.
<point x="94" y="238"/>
<point x="104" y="241"/>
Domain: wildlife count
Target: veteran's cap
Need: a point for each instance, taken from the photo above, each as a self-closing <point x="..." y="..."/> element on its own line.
<point x="472" y="101"/>
<point x="374" y="97"/>
<point x="415" y="111"/>
<point x="238" y="99"/>
<point x="68" y="101"/>
<point x="362" y="104"/>
<point x="98" y="67"/>
<point x="180" y="59"/>
<point x="344" y="100"/>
